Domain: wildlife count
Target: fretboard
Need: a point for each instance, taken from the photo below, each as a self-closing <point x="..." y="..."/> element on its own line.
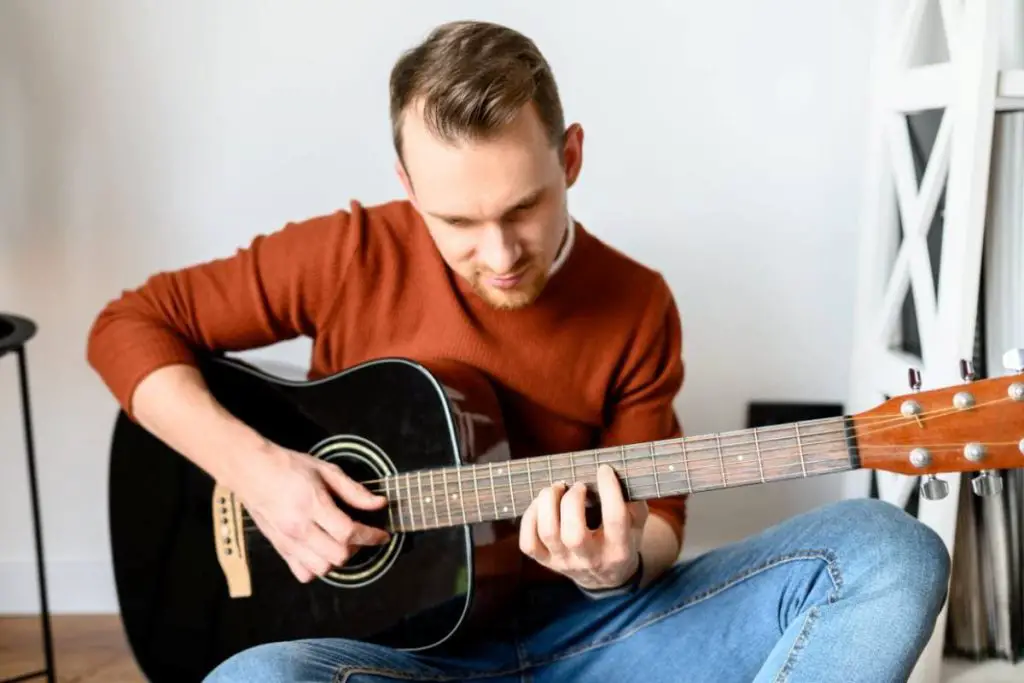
<point x="433" y="498"/>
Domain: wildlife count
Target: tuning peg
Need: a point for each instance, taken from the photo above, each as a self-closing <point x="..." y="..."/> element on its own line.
<point x="988" y="483"/>
<point x="1013" y="360"/>
<point x="966" y="371"/>
<point x="933" y="488"/>
<point x="914" y="379"/>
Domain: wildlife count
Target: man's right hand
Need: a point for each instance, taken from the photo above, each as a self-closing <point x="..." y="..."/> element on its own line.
<point x="289" y="496"/>
<point x="287" y="493"/>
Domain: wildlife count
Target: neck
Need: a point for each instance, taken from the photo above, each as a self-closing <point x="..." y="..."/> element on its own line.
<point x="450" y="496"/>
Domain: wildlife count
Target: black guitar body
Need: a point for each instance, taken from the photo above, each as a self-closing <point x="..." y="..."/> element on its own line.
<point x="383" y="417"/>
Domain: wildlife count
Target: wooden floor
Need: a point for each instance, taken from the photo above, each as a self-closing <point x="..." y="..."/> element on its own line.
<point x="87" y="649"/>
<point x="91" y="649"/>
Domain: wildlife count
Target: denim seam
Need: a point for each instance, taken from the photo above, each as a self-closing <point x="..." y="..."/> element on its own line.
<point x="797" y="647"/>
<point x="826" y="556"/>
<point x="342" y="674"/>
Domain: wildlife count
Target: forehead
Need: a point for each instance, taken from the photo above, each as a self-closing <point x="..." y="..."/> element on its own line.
<point x="478" y="178"/>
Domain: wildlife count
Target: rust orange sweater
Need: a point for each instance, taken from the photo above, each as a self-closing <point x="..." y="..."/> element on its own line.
<point x="595" y="361"/>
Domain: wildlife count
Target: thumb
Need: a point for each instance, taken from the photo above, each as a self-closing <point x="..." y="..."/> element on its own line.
<point x="352" y="492"/>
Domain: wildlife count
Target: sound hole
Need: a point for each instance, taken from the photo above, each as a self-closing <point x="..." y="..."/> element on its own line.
<point x="361" y="469"/>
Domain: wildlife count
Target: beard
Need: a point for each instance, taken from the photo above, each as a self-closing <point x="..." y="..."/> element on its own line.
<point x="522" y="295"/>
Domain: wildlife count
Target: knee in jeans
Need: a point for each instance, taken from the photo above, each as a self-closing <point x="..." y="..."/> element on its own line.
<point x="913" y="555"/>
<point x="270" y="662"/>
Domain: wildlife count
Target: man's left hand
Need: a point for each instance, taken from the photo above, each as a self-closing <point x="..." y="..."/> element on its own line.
<point x="554" y="532"/>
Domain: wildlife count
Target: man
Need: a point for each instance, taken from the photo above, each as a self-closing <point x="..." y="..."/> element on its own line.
<point x="483" y="263"/>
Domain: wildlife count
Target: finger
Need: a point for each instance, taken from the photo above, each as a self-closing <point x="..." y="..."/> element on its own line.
<point x="351" y="491"/>
<point x="329" y="549"/>
<point x="298" y="569"/>
<point x="574" y="531"/>
<point x="310" y="558"/>
<point x="549" y="525"/>
<point x="288" y="549"/>
<point x="343" y="528"/>
<point x="614" y="515"/>
<point x="529" y="541"/>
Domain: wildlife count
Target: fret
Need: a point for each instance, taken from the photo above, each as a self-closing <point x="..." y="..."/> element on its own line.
<point x="476" y="493"/>
<point x="625" y="476"/>
<point x="494" y="493"/>
<point x="529" y="479"/>
<point x="419" y="484"/>
<point x="551" y="473"/>
<point x="757" y="451"/>
<point x="412" y="512"/>
<point x="462" y="501"/>
<point x="387" y="496"/>
<point x="444" y="482"/>
<point x="800" y="449"/>
<point x="721" y="459"/>
<point x="572" y="469"/>
<point x="511" y="488"/>
<point x="654" y="470"/>
<point x="686" y="466"/>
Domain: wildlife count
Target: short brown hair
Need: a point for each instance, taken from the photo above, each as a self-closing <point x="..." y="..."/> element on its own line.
<point x="473" y="78"/>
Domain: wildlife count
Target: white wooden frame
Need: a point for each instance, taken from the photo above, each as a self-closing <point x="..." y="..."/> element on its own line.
<point x="970" y="89"/>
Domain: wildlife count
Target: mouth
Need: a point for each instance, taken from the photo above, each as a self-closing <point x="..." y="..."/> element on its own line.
<point x="508" y="281"/>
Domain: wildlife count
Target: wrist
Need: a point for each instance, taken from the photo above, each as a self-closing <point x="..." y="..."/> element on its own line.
<point x="631" y="585"/>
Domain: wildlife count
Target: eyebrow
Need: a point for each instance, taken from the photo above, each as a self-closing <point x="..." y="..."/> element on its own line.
<point x="524" y="202"/>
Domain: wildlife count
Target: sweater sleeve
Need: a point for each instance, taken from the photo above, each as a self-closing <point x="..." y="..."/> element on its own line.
<point x="277" y="287"/>
<point x="642" y="405"/>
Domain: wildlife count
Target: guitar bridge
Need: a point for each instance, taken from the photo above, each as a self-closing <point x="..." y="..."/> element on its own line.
<point x="229" y="540"/>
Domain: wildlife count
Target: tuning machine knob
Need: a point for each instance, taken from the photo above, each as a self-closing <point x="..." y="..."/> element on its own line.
<point x="987" y="483"/>
<point x="933" y="488"/>
<point x="1013" y="360"/>
<point x="967" y="373"/>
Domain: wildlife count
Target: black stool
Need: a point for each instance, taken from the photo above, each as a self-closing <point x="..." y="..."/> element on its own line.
<point x="15" y="331"/>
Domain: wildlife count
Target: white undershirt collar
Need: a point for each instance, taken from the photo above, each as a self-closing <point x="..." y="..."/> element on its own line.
<point x="567" y="244"/>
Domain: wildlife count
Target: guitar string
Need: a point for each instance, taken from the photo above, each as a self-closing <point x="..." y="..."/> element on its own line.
<point x="403" y="482"/>
<point x="639" y="488"/>
<point x="695" y="467"/>
<point x="646" y="458"/>
<point x="501" y="501"/>
<point x="766" y="470"/>
<point x="695" y="445"/>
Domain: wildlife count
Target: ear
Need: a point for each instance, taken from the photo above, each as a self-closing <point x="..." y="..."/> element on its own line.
<point x="572" y="153"/>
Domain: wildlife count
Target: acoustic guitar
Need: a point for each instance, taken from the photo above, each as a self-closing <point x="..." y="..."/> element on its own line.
<point x="196" y="581"/>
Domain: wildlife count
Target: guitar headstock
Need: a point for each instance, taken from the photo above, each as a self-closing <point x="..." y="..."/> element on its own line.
<point x="976" y="426"/>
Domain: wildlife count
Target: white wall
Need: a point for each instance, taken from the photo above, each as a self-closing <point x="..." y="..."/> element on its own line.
<point x="724" y="147"/>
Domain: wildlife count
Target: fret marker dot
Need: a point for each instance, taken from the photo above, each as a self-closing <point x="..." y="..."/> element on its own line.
<point x="740" y="458"/>
<point x="498" y="471"/>
<point x="455" y="496"/>
<point x="671" y="468"/>
<point x="505" y="509"/>
<point x="427" y="499"/>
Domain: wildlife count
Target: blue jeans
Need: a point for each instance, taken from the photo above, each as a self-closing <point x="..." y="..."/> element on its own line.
<point x="848" y="592"/>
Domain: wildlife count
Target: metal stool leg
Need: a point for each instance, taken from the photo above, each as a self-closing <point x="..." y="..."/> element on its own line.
<point x="49" y="671"/>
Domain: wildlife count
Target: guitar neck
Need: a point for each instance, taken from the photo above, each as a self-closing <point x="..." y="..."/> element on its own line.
<point x="434" y="498"/>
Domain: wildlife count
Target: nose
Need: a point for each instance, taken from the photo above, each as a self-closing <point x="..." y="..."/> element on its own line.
<point x="499" y="249"/>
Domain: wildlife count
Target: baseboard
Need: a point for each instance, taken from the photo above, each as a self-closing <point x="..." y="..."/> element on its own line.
<point x="73" y="587"/>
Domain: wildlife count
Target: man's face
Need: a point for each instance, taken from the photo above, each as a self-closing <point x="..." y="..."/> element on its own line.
<point x="496" y="209"/>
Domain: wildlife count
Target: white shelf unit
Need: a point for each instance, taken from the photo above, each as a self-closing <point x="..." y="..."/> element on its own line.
<point x="970" y="82"/>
